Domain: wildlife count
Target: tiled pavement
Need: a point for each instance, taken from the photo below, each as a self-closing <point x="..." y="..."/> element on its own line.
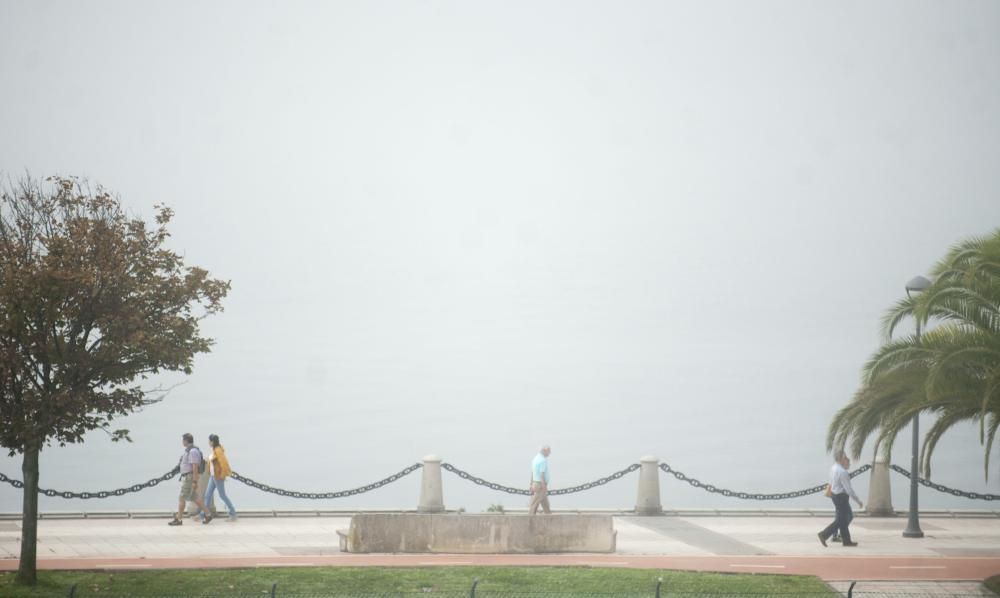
<point x="772" y="544"/>
<point x="679" y="536"/>
<point x="913" y="589"/>
<point x="956" y="537"/>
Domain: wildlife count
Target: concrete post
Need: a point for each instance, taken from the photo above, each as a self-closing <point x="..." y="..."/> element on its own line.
<point x="879" y="495"/>
<point x="648" y="500"/>
<point x="431" y="497"/>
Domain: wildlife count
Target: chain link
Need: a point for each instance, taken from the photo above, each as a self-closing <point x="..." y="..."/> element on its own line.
<point x="511" y="490"/>
<point x="11" y="481"/>
<point x="946" y="489"/>
<point x="99" y="494"/>
<point x="498" y="487"/>
<point x="753" y="495"/>
<point x="327" y="495"/>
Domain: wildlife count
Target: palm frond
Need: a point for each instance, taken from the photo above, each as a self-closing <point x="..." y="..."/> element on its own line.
<point x="951" y="371"/>
<point x="899" y="312"/>
<point x="903" y="353"/>
<point x="946" y="419"/>
<point x="988" y="445"/>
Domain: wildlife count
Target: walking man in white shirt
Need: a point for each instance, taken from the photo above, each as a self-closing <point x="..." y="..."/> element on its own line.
<point x="540" y="481"/>
<point x="840" y="486"/>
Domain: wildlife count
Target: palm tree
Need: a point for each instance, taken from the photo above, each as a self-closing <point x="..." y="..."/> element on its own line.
<point x="952" y="371"/>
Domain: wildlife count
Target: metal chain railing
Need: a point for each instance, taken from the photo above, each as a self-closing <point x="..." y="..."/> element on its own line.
<point x="98" y="494"/>
<point x="498" y="487"/>
<point x="327" y="495"/>
<point x="524" y="492"/>
<point x="753" y="495"/>
<point x="946" y="489"/>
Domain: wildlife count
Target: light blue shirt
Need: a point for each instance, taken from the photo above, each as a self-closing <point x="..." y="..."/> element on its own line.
<point x="540" y="469"/>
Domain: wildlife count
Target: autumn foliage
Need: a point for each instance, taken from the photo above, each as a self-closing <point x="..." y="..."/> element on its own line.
<point x="92" y="303"/>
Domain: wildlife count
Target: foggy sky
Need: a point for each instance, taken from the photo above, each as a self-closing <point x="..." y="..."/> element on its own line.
<point x="471" y="228"/>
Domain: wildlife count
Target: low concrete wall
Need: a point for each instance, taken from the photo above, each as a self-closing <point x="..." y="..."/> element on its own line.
<point x="479" y="533"/>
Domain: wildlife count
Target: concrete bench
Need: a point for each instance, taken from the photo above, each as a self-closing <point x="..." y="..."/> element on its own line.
<point x="485" y="533"/>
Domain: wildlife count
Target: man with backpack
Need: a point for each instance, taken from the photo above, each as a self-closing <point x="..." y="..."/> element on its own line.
<point x="192" y="465"/>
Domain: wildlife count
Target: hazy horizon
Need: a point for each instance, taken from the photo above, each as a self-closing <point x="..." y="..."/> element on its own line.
<point x="470" y="229"/>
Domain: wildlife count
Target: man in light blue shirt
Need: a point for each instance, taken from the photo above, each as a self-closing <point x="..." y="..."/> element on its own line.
<point x="540" y="481"/>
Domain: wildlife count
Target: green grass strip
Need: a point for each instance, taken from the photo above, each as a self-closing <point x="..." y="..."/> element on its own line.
<point x="993" y="583"/>
<point x="391" y="580"/>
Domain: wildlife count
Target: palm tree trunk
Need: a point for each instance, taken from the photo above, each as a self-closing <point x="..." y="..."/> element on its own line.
<point x="27" y="573"/>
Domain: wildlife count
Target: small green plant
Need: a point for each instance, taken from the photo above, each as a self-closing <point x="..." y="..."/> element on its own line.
<point x="993" y="583"/>
<point x="497" y="508"/>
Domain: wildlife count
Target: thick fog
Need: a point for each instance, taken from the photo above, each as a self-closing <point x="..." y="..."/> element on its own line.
<point x="470" y="228"/>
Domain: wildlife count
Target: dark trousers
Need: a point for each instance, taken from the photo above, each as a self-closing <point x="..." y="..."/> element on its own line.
<point x="841" y="502"/>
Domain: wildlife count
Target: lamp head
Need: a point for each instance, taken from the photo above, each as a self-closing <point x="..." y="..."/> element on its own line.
<point x="917" y="284"/>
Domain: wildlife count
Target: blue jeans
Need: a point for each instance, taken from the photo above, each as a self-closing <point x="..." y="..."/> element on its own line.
<point x="210" y="491"/>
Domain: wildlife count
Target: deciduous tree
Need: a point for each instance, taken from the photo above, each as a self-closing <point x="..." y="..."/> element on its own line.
<point x="92" y="304"/>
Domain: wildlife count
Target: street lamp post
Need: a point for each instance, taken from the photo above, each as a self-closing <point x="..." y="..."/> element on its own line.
<point x="913" y="522"/>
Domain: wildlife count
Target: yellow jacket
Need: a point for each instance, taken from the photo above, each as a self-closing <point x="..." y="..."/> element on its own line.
<point x="220" y="464"/>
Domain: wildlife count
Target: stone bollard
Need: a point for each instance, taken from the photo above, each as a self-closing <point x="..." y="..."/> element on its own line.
<point x="431" y="497"/>
<point x="879" y="494"/>
<point x="648" y="500"/>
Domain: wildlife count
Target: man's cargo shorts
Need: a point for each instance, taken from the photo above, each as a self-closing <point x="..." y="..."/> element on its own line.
<point x="187" y="487"/>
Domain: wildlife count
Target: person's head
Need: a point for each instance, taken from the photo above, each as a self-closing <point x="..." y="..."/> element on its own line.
<point x="545" y="450"/>
<point x="841" y="457"/>
<point x="187" y="439"/>
<point x="213" y="439"/>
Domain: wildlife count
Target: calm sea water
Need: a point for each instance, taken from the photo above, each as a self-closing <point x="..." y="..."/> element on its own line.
<point x="312" y="440"/>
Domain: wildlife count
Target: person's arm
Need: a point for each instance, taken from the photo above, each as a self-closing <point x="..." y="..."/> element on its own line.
<point x="194" y="468"/>
<point x="845" y="481"/>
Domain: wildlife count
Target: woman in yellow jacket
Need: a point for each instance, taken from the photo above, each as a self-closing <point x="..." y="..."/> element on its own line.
<point x="220" y="471"/>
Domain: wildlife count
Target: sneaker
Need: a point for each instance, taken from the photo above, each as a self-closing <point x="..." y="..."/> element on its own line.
<point x="850" y="543"/>
<point x="836" y="538"/>
<point x="822" y="540"/>
<point x="208" y="519"/>
<point x="175" y="521"/>
<point x="231" y="519"/>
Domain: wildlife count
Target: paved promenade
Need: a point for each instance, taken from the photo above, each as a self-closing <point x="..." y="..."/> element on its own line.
<point x="954" y="549"/>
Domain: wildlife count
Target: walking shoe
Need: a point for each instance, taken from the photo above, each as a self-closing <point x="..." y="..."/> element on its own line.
<point x="836" y="538"/>
<point x="822" y="540"/>
<point x="208" y="519"/>
<point x="175" y="521"/>
<point x="850" y="543"/>
<point x="231" y="519"/>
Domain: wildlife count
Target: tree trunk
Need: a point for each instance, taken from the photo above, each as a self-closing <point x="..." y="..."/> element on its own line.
<point x="27" y="573"/>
